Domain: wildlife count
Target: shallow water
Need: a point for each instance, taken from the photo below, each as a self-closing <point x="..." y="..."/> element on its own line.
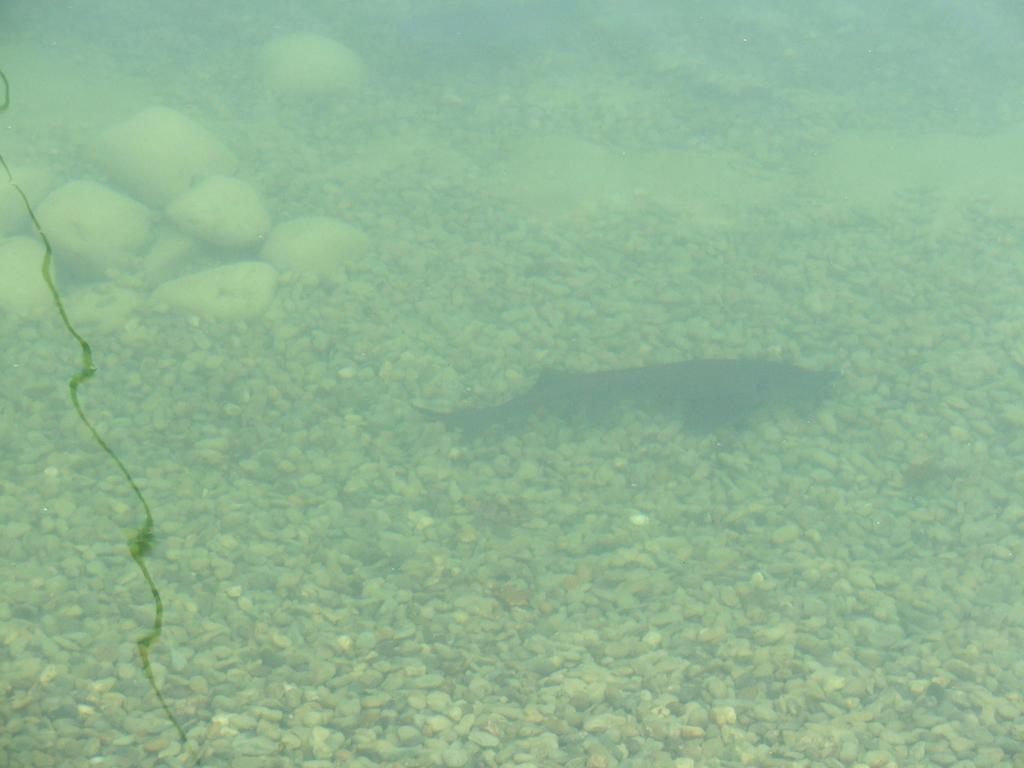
<point x="477" y="31"/>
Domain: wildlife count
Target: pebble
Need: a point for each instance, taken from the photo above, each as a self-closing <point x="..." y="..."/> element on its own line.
<point x="321" y="671"/>
<point x="483" y="739"/>
<point x="455" y="756"/>
<point x="785" y="534"/>
<point x="281" y="640"/>
<point x="723" y="715"/>
<point x="860" y="578"/>
<point x="639" y="519"/>
<point x="375" y="700"/>
<point x="439" y="701"/>
<point x="652" y="639"/>
<point x="408" y="735"/>
<point x="436" y="724"/>
<point x="432" y="680"/>
<point x="254" y="746"/>
<point x="318" y="735"/>
<point x="602" y="722"/>
<point x="465" y="723"/>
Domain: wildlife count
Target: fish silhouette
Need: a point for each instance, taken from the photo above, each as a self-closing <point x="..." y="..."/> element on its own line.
<point x="706" y="394"/>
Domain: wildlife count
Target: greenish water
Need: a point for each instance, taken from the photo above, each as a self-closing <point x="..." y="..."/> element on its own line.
<point x="348" y="583"/>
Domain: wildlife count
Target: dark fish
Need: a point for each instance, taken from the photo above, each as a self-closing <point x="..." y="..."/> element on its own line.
<point x="706" y="394"/>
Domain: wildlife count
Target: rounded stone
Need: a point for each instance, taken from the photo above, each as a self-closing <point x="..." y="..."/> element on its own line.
<point x="104" y="228"/>
<point x="236" y="291"/>
<point x="13" y="215"/>
<point x="223" y="211"/>
<point x="315" y="244"/>
<point x="310" y="65"/>
<point x="159" y="152"/>
<point x="23" y="290"/>
<point x="456" y="756"/>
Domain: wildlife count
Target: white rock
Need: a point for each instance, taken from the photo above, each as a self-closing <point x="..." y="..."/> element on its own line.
<point x="315" y="244"/>
<point x="170" y="251"/>
<point x="310" y="65"/>
<point x="35" y="183"/>
<point x="236" y="291"/>
<point x="223" y="211"/>
<point x="159" y="153"/>
<point x="22" y="289"/>
<point x="104" y="228"/>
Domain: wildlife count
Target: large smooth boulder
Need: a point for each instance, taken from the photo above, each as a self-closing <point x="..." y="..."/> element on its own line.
<point x="35" y="183"/>
<point x="22" y="289"/>
<point x="159" y="153"/>
<point x="309" y="65"/>
<point x="103" y="228"/>
<point x="223" y="211"/>
<point x="238" y="291"/>
<point x="315" y="245"/>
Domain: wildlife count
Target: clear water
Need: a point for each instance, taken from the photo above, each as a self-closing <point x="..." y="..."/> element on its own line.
<point x="346" y="582"/>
